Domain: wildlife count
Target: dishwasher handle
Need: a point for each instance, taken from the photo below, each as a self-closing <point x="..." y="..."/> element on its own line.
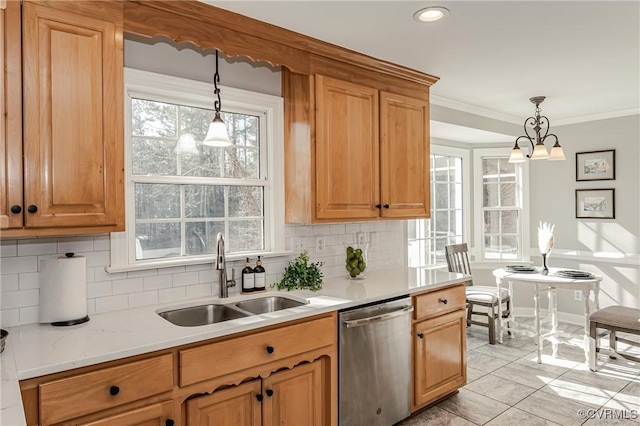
<point x="383" y="317"/>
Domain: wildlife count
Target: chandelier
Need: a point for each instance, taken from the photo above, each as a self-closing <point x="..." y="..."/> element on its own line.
<point x="539" y="124"/>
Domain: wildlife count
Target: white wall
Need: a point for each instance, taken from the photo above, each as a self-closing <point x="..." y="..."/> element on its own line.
<point x="19" y="278"/>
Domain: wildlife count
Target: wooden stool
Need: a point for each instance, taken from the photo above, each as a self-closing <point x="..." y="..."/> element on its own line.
<point x="612" y="318"/>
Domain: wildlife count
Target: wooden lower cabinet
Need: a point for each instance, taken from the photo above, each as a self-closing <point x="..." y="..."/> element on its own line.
<point x="234" y="406"/>
<point x="289" y="397"/>
<point x="160" y="414"/>
<point x="295" y="397"/>
<point x="439" y="357"/>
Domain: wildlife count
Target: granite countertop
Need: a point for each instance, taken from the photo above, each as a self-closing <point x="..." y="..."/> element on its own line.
<point x="38" y="349"/>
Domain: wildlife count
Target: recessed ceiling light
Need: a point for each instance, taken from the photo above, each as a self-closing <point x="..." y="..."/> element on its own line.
<point x="431" y="14"/>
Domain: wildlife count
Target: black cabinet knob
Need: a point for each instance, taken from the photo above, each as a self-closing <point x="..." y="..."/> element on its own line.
<point x="259" y="397"/>
<point x="270" y="349"/>
<point x="169" y="422"/>
<point x="378" y="206"/>
<point x="114" y="390"/>
<point x="269" y="392"/>
<point x="32" y="209"/>
<point x="16" y="209"/>
<point x="421" y="335"/>
<point x="444" y="301"/>
<point x="386" y="206"/>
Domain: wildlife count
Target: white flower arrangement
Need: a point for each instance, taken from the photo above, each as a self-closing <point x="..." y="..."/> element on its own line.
<point x="545" y="237"/>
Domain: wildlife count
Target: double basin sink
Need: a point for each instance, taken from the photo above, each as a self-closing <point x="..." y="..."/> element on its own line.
<point x="212" y="313"/>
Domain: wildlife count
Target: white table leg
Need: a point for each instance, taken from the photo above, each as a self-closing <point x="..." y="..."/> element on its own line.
<point x="536" y="302"/>
<point x="499" y="323"/>
<point x="586" y="342"/>
<point x="553" y="307"/>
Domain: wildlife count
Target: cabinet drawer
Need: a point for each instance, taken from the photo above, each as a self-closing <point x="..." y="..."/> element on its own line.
<point x="218" y="359"/>
<point x="110" y="387"/>
<point x="440" y="301"/>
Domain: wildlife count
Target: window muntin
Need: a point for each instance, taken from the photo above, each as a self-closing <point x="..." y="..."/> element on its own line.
<point x="428" y="237"/>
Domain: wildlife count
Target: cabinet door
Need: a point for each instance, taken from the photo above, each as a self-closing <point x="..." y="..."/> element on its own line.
<point x="404" y="156"/>
<point x="73" y="115"/>
<point x="440" y="363"/>
<point x="295" y="397"/>
<point x="235" y="406"/>
<point x="11" y="116"/>
<point x="152" y="415"/>
<point x="346" y="150"/>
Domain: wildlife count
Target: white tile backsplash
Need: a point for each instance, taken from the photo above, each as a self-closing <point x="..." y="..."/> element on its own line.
<point x="19" y="279"/>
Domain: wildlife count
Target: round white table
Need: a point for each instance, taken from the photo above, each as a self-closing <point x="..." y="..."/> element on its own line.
<point x="548" y="284"/>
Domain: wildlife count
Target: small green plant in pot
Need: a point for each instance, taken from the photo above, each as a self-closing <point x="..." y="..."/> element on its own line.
<point x="301" y="275"/>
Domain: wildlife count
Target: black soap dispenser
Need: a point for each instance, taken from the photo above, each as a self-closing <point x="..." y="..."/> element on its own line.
<point x="260" y="276"/>
<point x="248" y="278"/>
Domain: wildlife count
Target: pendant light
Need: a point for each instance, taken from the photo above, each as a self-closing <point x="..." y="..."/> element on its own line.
<point x="538" y="150"/>
<point x="217" y="134"/>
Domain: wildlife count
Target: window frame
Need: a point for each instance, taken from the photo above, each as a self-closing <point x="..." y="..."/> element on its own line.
<point x="159" y="87"/>
<point x="522" y="172"/>
<point x="465" y="155"/>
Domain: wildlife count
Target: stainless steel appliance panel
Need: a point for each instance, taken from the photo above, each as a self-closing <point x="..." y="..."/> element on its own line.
<point x="375" y="364"/>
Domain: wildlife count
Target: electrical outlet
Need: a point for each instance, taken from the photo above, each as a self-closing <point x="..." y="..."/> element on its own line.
<point x="361" y="238"/>
<point x="577" y="295"/>
<point x="373" y="239"/>
<point x="297" y="244"/>
<point x="320" y="244"/>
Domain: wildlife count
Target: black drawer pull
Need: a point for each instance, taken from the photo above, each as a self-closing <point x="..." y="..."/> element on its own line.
<point x="259" y="397"/>
<point x="270" y="349"/>
<point x="269" y="392"/>
<point x="443" y="301"/>
<point x="15" y="209"/>
<point x="378" y="206"/>
<point x="421" y="335"/>
<point x="32" y="209"/>
<point x="386" y="206"/>
<point x="169" y="422"/>
<point x="114" y="390"/>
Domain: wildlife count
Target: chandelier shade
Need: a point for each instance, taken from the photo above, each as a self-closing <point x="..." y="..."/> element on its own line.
<point x="217" y="134"/>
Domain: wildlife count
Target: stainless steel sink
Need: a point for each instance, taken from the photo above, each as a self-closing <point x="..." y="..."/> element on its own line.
<point x="194" y="316"/>
<point x="268" y="304"/>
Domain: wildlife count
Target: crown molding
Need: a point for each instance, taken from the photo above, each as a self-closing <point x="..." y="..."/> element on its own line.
<point x="600" y="116"/>
<point x="484" y="112"/>
<point x="472" y="109"/>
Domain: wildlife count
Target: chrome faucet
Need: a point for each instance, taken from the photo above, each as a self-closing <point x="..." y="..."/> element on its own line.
<point x="222" y="267"/>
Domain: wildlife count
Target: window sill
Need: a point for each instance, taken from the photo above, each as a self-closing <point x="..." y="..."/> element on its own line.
<point x="172" y="263"/>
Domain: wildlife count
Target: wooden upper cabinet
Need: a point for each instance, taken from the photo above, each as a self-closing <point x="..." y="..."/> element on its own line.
<point x="347" y="171"/>
<point x="73" y="115"/>
<point x="62" y="139"/>
<point x="11" y="116"/>
<point x="404" y="156"/>
<point x="354" y="151"/>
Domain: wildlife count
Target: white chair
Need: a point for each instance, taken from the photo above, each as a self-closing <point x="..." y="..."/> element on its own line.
<point x="458" y="261"/>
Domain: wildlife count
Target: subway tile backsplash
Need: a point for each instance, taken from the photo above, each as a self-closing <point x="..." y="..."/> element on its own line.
<point x="19" y="278"/>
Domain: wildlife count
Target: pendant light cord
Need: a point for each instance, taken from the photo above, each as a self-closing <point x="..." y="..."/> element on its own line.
<point x="216" y="79"/>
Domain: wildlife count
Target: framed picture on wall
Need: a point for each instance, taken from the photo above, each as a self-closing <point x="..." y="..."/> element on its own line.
<point x="595" y="204"/>
<point x="596" y="165"/>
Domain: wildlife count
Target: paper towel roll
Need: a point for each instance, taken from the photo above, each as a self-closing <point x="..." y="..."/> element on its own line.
<point x="63" y="290"/>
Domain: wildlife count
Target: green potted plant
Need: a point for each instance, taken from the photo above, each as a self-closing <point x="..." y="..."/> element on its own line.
<point x="301" y="275"/>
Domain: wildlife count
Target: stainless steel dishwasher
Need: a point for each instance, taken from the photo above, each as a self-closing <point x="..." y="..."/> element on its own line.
<point x="375" y="364"/>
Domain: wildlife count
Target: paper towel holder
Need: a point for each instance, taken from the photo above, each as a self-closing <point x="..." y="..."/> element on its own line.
<point x="73" y="321"/>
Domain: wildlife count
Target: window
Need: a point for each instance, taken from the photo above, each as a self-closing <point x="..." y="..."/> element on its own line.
<point x="500" y="219"/>
<point x="427" y="238"/>
<point x="180" y="193"/>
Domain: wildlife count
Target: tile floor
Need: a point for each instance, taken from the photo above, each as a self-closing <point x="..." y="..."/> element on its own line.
<point x="507" y="387"/>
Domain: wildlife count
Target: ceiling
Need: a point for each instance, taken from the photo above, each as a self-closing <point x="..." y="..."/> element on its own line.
<point x="491" y="56"/>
